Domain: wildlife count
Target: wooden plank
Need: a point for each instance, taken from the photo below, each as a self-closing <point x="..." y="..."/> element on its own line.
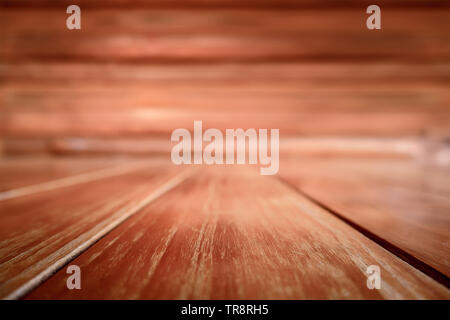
<point x="364" y="147"/>
<point x="161" y="122"/>
<point x="229" y="233"/>
<point x="260" y="97"/>
<point x="412" y="148"/>
<point x="94" y="147"/>
<point x="224" y="35"/>
<point x="328" y="99"/>
<point x="264" y="4"/>
<point x="22" y="172"/>
<point x="328" y="74"/>
<point x="41" y="232"/>
<point x="405" y="203"/>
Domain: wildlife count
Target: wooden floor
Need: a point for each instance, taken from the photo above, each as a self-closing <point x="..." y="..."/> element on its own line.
<point x="85" y="171"/>
<point x="145" y="229"/>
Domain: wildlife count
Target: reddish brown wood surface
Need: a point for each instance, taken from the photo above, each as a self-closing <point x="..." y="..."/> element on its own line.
<point x="233" y="234"/>
<point x="308" y="72"/>
<point x="21" y="172"/>
<point x="403" y="202"/>
<point x="248" y="35"/>
<point x="137" y="70"/>
<point x="331" y="74"/>
<point x="40" y="231"/>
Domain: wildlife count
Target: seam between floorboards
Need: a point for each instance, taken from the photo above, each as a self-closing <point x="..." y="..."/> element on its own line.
<point x="34" y="282"/>
<point x="71" y="180"/>
<point x="395" y="250"/>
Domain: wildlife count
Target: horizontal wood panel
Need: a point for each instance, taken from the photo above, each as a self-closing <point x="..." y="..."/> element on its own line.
<point x="41" y="231"/>
<point x="415" y="147"/>
<point x="139" y="69"/>
<point x="404" y="203"/>
<point x="162" y="123"/>
<point x="148" y="101"/>
<point x="249" y="238"/>
<point x="110" y="35"/>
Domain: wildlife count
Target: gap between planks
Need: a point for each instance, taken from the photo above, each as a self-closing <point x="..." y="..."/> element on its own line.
<point x="385" y="244"/>
<point x="170" y="184"/>
<point x="49" y="271"/>
<point x="71" y="180"/>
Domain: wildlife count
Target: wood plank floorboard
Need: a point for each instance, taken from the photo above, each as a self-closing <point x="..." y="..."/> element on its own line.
<point x="115" y="101"/>
<point x="224" y="35"/>
<point x="229" y="233"/>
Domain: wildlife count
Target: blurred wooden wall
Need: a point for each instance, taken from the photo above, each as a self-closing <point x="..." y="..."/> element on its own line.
<point x="139" y="69"/>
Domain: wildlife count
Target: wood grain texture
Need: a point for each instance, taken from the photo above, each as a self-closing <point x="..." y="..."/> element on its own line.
<point x="21" y="172"/>
<point x="346" y="81"/>
<point x="329" y="74"/>
<point x="41" y="232"/>
<point x="233" y="234"/>
<point x="411" y="148"/>
<point x="148" y="101"/>
<point x="406" y="203"/>
<point x="70" y="180"/>
<point x="147" y="124"/>
<point x="263" y="94"/>
<point x="225" y="35"/>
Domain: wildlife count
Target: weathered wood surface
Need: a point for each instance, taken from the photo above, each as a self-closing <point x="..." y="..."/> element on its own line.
<point x="261" y="92"/>
<point x="406" y="203"/>
<point x="44" y="230"/>
<point x="330" y="75"/>
<point x="22" y="172"/>
<point x="345" y="80"/>
<point x="218" y="35"/>
<point x="157" y="146"/>
<point x="145" y="124"/>
<point x="300" y="99"/>
<point x="233" y="234"/>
